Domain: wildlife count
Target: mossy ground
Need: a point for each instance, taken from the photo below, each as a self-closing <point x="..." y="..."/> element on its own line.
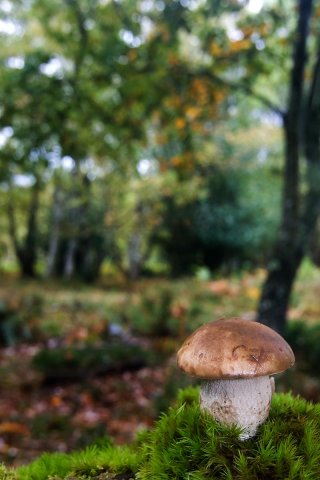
<point x="187" y="444"/>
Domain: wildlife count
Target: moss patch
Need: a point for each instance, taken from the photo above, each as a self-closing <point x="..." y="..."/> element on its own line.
<point x="188" y="444"/>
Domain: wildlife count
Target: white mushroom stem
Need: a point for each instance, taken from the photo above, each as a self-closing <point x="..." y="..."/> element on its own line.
<point x="244" y="402"/>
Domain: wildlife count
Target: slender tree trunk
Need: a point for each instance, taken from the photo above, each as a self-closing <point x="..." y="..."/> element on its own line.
<point x="138" y="253"/>
<point x="77" y="219"/>
<point x="69" y="265"/>
<point x="57" y="214"/>
<point x="135" y="255"/>
<point x="31" y="240"/>
<point x="12" y="224"/>
<point x="26" y="250"/>
<point x="289" y="249"/>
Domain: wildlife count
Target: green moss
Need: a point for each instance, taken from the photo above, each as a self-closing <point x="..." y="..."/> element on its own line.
<point x="6" y="473"/>
<point x="89" y="463"/>
<point x="188" y="444"/>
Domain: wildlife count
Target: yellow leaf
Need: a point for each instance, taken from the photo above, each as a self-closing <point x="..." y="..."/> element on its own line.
<point x="132" y="54"/>
<point x="219" y="287"/>
<point x="14" y="427"/>
<point x="176" y="160"/>
<point x="180" y="123"/>
<point x="219" y="95"/>
<point x="240" y="45"/>
<point x="173" y="59"/>
<point x="192" y="112"/>
<point x="161" y="138"/>
<point x="56" y="401"/>
<point x="253" y="293"/>
<point x="215" y="49"/>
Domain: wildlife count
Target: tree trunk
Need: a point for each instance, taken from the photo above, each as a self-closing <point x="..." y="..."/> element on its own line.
<point x="288" y="251"/>
<point x="28" y="253"/>
<point x="135" y="257"/>
<point x="277" y="288"/>
<point x="26" y="250"/>
<point x="290" y="245"/>
<point x="138" y="253"/>
<point x="312" y="154"/>
<point x="70" y="258"/>
<point x="57" y="214"/>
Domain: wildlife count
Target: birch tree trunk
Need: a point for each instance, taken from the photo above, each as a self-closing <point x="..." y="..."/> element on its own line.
<point x="57" y="215"/>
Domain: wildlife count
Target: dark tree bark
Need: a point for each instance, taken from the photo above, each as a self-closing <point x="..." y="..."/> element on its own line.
<point x="312" y="155"/>
<point x="301" y="136"/>
<point x="26" y="249"/>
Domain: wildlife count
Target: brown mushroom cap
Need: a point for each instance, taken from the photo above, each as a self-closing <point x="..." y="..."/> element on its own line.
<point x="234" y="348"/>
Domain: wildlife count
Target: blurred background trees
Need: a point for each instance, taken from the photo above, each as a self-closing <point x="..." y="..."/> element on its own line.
<point x="146" y="136"/>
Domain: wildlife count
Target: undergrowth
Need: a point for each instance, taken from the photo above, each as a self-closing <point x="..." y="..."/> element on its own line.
<point x="187" y="444"/>
<point x="305" y="342"/>
<point x="109" y="356"/>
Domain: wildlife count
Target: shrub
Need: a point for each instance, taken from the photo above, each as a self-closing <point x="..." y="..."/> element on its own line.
<point x="65" y="363"/>
<point x="152" y="315"/>
<point x="305" y="342"/>
<point x="167" y="309"/>
<point x="12" y="327"/>
<point x="221" y="228"/>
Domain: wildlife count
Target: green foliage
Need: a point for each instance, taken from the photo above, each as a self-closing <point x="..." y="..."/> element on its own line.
<point x="223" y="227"/>
<point x="188" y="444"/>
<point x="305" y="342"/>
<point x="153" y="314"/>
<point x="12" y="328"/>
<point x="170" y="309"/>
<point x="228" y="221"/>
<point x="109" y="84"/>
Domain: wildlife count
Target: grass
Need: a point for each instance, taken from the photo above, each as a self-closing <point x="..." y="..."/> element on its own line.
<point x="188" y="444"/>
<point x="153" y="307"/>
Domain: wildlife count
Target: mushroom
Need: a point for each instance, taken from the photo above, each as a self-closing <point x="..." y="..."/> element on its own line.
<point x="235" y="357"/>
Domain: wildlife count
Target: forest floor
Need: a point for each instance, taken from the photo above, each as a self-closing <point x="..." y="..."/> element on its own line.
<point x="64" y="401"/>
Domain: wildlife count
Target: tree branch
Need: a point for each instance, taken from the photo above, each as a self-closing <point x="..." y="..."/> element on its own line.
<point x="249" y="91"/>
<point x="78" y="61"/>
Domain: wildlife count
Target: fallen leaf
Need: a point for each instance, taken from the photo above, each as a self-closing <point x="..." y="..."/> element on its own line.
<point x="253" y="293"/>
<point x="14" y="427"/>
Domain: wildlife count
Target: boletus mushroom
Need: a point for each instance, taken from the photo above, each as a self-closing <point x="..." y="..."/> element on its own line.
<point x="235" y="359"/>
